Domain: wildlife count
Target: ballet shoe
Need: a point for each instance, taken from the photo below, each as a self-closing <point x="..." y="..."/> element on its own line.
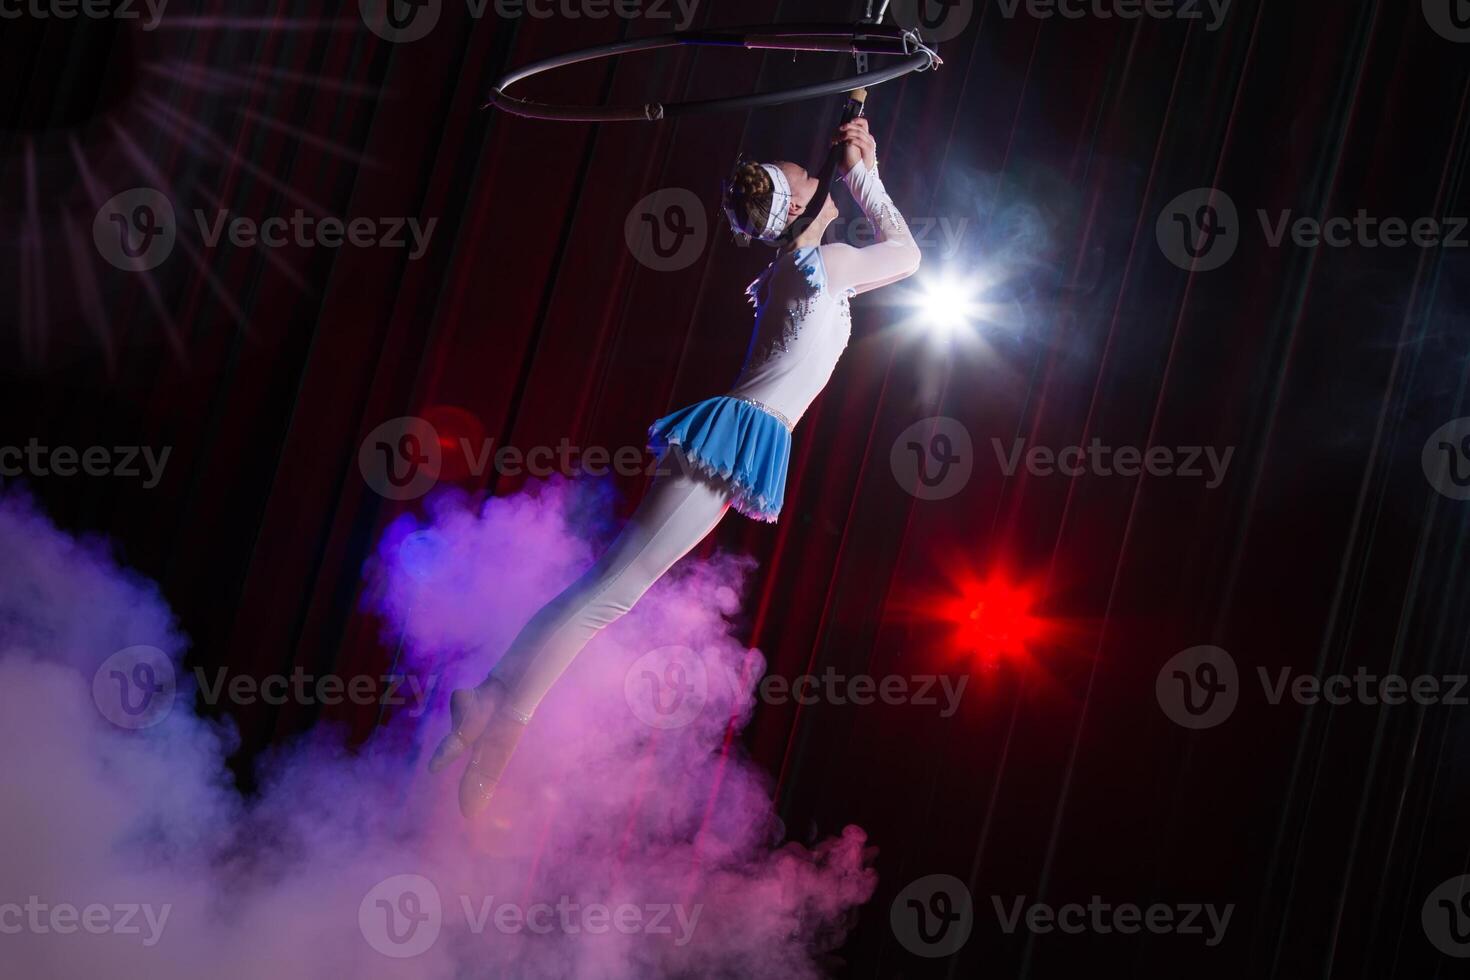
<point x="491" y="755"/>
<point x="469" y="709"/>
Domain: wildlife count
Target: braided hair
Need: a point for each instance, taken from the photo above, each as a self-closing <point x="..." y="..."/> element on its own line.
<point x="747" y="198"/>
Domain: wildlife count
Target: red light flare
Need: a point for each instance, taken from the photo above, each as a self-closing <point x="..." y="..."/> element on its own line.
<point x="989" y="620"/>
<point x="460" y="432"/>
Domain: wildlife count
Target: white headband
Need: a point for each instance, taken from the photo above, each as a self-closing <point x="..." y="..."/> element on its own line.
<point x="780" y="204"/>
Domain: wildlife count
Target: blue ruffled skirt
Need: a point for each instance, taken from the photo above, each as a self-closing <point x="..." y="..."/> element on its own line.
<point x="736" y="444"/>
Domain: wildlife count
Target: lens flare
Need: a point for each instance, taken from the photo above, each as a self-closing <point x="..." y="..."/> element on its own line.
<point x="987" y="620"/>
<point x="947" y="305"/>
<point x="950" y="305"/>
<point x="994" y="619"/>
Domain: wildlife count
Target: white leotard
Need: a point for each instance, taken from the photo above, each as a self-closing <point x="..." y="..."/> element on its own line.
<point x="801" y="329"/>
<point x="802" y="321"/>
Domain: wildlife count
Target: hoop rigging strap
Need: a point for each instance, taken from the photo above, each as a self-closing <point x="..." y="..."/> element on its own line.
<point x="826" y="177"/>
<point x="837" y="38"/>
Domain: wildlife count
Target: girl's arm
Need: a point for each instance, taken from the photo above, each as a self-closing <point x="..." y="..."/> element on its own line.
<point x="893" y="256"/>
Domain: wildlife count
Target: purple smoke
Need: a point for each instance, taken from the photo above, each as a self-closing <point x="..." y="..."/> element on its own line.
<point x="629" y="838"/>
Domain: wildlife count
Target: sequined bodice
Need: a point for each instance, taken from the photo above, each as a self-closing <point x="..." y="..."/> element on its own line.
<point x="801" y="330"/>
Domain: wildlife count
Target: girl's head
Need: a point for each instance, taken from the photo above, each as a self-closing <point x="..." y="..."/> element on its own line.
<point x="761" y="199"/>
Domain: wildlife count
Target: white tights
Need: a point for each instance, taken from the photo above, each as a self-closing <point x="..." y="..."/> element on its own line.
<point x="679" y="509"/>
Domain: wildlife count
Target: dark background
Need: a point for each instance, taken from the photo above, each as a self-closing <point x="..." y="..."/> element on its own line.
<point x="1060" y="142"/>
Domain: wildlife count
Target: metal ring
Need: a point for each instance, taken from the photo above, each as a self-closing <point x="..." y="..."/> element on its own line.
<point x="839" y="38"/>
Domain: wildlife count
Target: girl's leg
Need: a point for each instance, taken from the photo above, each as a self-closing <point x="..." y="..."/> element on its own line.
<point x="678" y="511"/>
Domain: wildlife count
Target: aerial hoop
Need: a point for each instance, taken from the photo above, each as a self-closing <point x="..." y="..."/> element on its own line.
<point x="861" y="39"/>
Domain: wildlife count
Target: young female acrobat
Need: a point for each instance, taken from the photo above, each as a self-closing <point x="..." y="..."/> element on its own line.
<point x="729" y="451"/>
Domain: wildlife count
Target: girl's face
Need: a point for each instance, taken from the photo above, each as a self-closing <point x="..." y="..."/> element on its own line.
<point x="803" y="186"/>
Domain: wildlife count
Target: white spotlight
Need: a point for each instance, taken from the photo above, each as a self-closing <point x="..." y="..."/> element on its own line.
<point x="948" y="305"/>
